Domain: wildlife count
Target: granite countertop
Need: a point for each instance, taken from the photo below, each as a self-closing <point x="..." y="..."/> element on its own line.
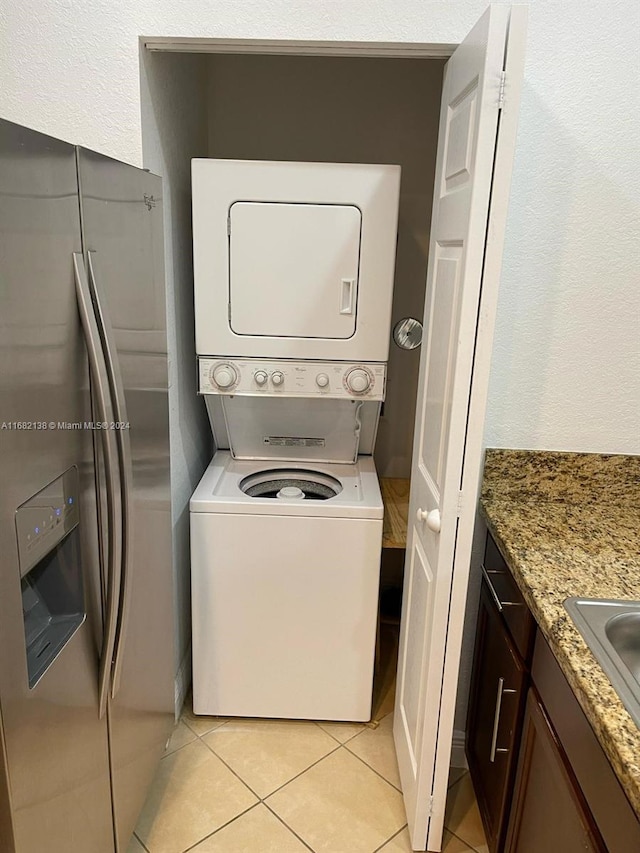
<point x="568" y="524"/>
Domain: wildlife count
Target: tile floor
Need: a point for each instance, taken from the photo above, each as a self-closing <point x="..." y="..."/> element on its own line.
<point x="271" y="786"/>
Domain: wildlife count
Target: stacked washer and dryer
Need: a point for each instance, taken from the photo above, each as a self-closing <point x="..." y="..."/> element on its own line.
<point x="293" y="272"/>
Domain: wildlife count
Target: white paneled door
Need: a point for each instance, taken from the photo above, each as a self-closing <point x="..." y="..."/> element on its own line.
<point x="475" y="152"/>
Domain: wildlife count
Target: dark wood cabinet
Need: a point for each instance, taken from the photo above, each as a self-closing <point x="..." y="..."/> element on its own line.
<point x="493" y="727"/>
<point x="541" y="778"/>
<point x="504" y="642"/>
<point x="548" y="811"/>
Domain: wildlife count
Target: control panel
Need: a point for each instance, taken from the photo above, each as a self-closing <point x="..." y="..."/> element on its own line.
<point x="257" y="377"/>
<point x="46" y="518"/>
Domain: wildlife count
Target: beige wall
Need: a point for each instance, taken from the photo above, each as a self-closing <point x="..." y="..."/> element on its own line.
<point x="346" y="110"/>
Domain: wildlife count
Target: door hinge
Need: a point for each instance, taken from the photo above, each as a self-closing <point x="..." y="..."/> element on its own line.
<point x="503" y="80"/>
<point x="460" y="503"/>
<point x="228" y="225"/>
<point x="430" y="806"/>
<point x="229" y="312"/>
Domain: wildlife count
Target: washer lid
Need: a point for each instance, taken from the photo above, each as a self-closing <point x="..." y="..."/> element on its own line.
<point x="293" y="269"/>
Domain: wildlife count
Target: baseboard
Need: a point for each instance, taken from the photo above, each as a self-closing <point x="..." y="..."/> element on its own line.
<point x="458" y="756"/>
<point x="182" y="681"/>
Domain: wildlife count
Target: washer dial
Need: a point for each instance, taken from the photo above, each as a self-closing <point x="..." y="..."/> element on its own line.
<point x="358" y="380"/>
<point x="277" y="377"/>
<point x="224" y="375"/>
<point x="322" y="380"/>
<point x="261" y="377"/>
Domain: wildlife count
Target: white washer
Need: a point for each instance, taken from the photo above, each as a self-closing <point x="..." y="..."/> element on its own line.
<point x="285" y="589"/>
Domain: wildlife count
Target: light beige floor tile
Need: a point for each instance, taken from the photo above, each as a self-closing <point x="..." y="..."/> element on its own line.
<point x="462" y="816"/>
<point x="340" y="805"/>
<point x="342" y="732"/>
<point x="256" y="831"/>
<point x="192" y="795"/>
<point x="452" y="844"/>
<point x="267" y="753"/>
<point x="455" y="774"/>
<point x="135" y="846"/>
<point x="181" y="736"/>
<point x="376" y="747"/>
<point x="198" y="724"/>
<point x="401" y="844"/>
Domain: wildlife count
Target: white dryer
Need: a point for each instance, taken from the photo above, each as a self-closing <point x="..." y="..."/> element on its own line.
<point x="294" y="260"/>
<point x="285" y="567"/>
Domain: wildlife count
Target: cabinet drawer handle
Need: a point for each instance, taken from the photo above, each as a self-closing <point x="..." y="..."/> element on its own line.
<point x="496" y="719"/>
<point x="499" y="604"/>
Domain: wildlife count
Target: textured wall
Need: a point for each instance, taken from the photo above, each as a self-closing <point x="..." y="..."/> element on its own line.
<point x="565" y="371"/>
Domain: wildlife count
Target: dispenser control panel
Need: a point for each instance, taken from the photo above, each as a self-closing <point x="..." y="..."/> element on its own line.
<point x="46" y="518"/>
<point x="258" y="377"/>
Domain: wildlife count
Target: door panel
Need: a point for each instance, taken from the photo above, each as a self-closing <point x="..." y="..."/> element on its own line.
<point x="56" y="745"/>
<point x="122" y="237"/>
<point x="446" y="455"/>
<point x="412" y="664"/>
<point x="442" y="337"/>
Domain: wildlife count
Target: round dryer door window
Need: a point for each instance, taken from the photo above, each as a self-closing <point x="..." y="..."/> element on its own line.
<point x="291" y="484"/>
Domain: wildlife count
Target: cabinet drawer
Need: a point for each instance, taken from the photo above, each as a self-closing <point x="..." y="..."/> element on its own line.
<point x="508" y="599"/>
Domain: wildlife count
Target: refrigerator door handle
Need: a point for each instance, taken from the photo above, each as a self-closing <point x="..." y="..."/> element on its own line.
<point x="123" y="443"/>
<point x="112" y="479"/>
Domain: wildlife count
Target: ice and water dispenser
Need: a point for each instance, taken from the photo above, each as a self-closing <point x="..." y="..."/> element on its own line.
<point x="48" y="531"/>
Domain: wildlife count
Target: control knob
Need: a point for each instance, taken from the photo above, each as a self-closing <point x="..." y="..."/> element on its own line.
<point x="260" y="376"/>
<point x="224" y="375"/>
<point x="277" y="377"/>
<point x="322" y="380"/>
<point x="358" y="380"/>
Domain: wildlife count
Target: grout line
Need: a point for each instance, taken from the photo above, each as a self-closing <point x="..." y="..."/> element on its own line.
<point x="466" y="843"/>
<point x="302" y="772"/>
<point x="141" y="843"/>
<point x="450" y="786"/>
<point x="208" y="732"/>
<point x="235" y="773"/>
<point x="366" y="764"/>
<point x="337" y="722"/>
<point x="215" y="831"/>
<point x="448" y="828"/>
<point x="279" y="788"/>
<point x="391" y="837"/>
<point x="292" y="831"/>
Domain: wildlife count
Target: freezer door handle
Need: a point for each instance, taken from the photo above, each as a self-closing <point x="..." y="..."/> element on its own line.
<point x="102" y="397"/>
<point x="125" y="465"/>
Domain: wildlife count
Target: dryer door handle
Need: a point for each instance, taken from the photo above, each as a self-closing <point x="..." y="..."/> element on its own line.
<point x="347" y="292"/>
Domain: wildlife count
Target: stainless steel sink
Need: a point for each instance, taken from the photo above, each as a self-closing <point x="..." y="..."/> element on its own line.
<point x="611" y="629"/>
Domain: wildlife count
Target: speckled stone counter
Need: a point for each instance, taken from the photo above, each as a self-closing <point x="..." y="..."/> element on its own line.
<point x="569" y="524"/>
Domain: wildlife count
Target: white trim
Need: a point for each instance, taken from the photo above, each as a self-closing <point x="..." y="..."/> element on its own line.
<point x="277" y="47"/>
<point x="182" y="682"/>
<point x="458" y="754"/>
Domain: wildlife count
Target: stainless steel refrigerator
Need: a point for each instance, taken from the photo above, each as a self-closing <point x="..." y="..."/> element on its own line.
<point x="86" y="630"/>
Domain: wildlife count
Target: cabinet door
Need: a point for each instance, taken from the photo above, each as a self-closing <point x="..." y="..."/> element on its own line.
<point x="548" y="811"/>
<point x="493" y="727"/>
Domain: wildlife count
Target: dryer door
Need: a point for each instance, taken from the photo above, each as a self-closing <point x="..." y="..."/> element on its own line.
<point x="293" y="269"/>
